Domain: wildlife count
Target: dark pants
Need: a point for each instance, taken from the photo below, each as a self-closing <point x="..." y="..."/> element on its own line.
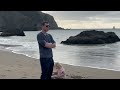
<point x="46" y="67"/>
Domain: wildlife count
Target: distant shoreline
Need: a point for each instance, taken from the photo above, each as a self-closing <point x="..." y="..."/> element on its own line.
<point x="75" y="29"/>
<point x="95" y="29"/>
<point x="87" y="29"/>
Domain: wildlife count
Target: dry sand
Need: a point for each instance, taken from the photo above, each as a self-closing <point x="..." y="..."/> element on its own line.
<point x="16" y="66"/>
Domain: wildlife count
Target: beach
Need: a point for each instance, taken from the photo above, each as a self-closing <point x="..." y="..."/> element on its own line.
<point x="17" y="66"/>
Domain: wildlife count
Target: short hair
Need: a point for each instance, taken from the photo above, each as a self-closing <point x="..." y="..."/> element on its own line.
<point x="43" y="23"/>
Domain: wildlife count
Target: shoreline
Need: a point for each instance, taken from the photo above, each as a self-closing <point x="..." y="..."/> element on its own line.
<point x="18" y="66"/>
<point x="61" y="63"/>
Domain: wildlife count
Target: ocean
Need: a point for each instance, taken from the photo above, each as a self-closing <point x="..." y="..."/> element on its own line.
<point x="104" y="56"/>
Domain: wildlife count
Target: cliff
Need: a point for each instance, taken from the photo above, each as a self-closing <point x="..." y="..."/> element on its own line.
<point x="24" y="20"/>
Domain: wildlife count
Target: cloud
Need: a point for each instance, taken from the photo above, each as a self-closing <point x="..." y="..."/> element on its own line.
<point x="79" y="18"/>
<point x="85" y="15"/>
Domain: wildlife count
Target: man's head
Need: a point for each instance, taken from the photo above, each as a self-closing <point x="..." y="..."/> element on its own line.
<point x="45" y="26"/>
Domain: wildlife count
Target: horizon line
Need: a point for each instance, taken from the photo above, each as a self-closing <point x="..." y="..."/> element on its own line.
<point x="91" y="28"/>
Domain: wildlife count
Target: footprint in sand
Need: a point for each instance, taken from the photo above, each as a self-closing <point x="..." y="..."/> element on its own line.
<point x="33" y="76"/>
<point x="8" y="70"/>
<point x="3" y="75"/>
<point x="23" y="77"/>
<point x="76" y="77"/>
<point x="19" y="64"/>
<point x="25" y="74"/>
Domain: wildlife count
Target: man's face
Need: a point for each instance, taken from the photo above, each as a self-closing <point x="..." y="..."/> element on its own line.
<point x="46" y="27"/>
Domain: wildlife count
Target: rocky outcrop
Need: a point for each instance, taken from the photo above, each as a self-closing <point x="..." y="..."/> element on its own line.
<point x="27" y="20"/>
<point x="10" y="21"/>
<point x="38" y="17"/>
<point x="92" y="37"/>
<point x="13" y="33"/>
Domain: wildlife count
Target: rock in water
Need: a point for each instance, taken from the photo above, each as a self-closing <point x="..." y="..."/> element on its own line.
<point x="92" y="37"/>
<point x="13" y="33"/>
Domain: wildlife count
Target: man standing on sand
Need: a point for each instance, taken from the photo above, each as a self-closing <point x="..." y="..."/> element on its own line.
<point x="46" y="43"/>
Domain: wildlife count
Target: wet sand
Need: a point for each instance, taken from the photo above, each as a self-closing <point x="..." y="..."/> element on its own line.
<point x="17" y="66"/>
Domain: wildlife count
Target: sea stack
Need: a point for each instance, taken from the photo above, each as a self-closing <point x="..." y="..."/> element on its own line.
<point x="92" y="37"/>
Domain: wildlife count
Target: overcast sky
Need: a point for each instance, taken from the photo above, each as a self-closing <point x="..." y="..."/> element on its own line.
<point x="86" y="19"/>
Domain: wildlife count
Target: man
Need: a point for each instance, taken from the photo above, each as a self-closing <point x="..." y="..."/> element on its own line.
<point x="46" y="43"/>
